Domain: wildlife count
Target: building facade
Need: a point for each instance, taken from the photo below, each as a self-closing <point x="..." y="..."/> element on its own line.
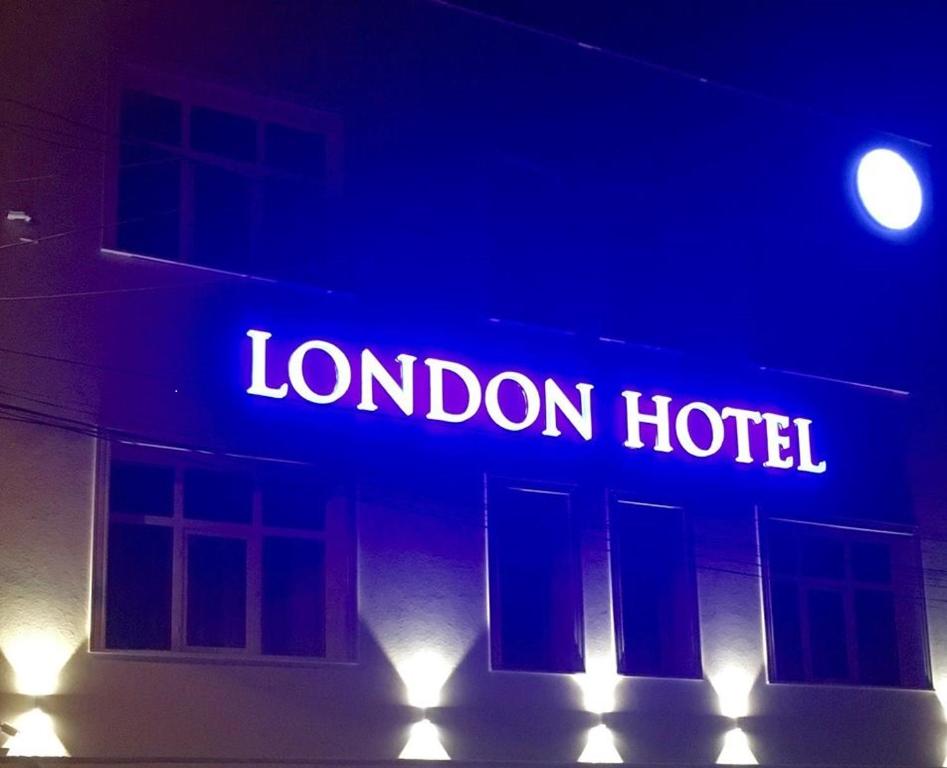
<point x="378" y="385"/>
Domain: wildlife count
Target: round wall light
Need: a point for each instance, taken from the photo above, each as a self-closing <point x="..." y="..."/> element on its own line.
<point x="889" y="189"/>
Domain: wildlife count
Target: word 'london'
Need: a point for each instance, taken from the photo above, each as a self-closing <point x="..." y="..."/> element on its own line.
<point x="549" y="402"/>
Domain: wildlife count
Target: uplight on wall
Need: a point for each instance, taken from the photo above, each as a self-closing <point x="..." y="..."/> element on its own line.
<point x="732" y="685"/>
<point x="598" y="684"/>
<point x="424" y="674"/>
<point x="889" y="189"/>
<point x="37" y="657"/>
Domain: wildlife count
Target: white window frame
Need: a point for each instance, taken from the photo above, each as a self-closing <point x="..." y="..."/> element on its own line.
<point x="901" y="582"/>
<point x="492" y="483"/>
<point x="337" y="535"/>
<point x="197" y="93"/>
<point x="615" y="500"/>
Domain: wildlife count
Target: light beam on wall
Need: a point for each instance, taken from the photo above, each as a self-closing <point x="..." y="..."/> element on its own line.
<point x="733" y="685"/>
<point x="598" y="684"/>
<point x="36" y="736"/>
<point x="736" y="749"/>
<point x="424" y="743"/>
<point x="600" y="747"/>
<point x="940" y="690"/>
<point x="424" y="675"/>
<point x="37" y="657"/>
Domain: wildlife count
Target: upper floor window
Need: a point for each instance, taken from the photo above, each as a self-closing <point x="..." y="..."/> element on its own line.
<point x="239" y="558"/>
<point x="211" y="177"/>
<point x="535" y="581"/>
<point x="844" y="606"/>
<point x="654" y="588"/>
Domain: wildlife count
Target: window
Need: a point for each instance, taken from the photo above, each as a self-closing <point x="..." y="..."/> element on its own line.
<point x="844" y="606"/>
<point x="210" y="177"/>
<point x="246" y="558"/>
<point x="535" y="588"/>
<point x="654" y="590"/>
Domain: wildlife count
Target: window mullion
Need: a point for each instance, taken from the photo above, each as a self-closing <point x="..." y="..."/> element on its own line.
<point x="178" y="566"/>
<point x="255" y="577"/>
<point x="336" y="577"/>
<point x="851" y="629"/>
<point x="804" y="628"/>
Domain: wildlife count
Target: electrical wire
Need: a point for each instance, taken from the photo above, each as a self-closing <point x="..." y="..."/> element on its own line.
<point x="51" y="113"/>
<point x="662" y="69"/>
<point x="107" y="291"/>
<point x="88" y="228"/>
<point x="120" y="166"/>
<point x="27" y="132"/>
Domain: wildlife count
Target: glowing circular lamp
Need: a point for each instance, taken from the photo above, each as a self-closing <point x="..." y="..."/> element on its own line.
<point x="889" y="189"/>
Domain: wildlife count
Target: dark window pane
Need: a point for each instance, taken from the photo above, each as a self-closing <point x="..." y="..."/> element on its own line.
<point x="224" y="134"/>
<point x="783" y="549"/>
<point x="149" y="202"/>
<point x="140" y="489"/>
<point x="218" y="496"/>
<point x="150" y="118"/>
<point x="787" y="633"/>
<point x="222" y="219"/>
<point x="294" y="223"/>
<point x="216" y="592"/>
<point x="877" y="638"/>
<point x="656" y="593"/>
<point x="294" y="597"/>
<point x="822" y="556"/>
<point x="138" y="593"/>
<point x="871" y="561"/>
<point x="827" y="636"/>
<point x="295" y="501"/>
<point x="534" y="583"/>
<point x="289" y="149"/>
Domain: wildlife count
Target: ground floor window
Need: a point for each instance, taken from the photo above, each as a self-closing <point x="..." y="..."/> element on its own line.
<point x="844" y="605"/>
<point x="654" y="590"/>
<point x="244" y="557"/>
<point x="535" y="590"/>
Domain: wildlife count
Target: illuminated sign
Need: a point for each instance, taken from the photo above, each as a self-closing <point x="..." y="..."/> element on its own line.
<point x="745" y="436"/>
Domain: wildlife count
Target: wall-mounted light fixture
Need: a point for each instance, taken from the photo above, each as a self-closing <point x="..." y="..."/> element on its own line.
<point x="732" y="685"/>
<point x="598" y="684"/>
<point x="424" y="674"/>
<point x="889" y="189"/>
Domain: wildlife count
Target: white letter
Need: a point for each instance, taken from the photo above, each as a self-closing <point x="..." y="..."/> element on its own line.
<point x="373" y="370"/>
<point x="776" y="442"/>
<point x="258" y="385"/>
<point x="556" y="400"/>
<point x="437" y="412"/>
<point x="662" y="441"/>
<point x="805" y="448"/>
<point x="530" y="395"/>
<point x="742" y="419"/>
<point x="343" y="372"/>
<point x="683" y="432"/>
